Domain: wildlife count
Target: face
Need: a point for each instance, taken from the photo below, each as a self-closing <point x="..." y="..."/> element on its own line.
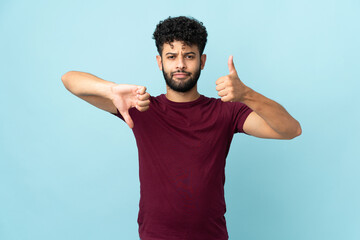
<point x="181" y="65"/>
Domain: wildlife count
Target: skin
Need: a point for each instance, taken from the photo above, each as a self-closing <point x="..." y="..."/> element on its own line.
<point x="107" y="95"/>
<point x="127" y="96"/>
<point x="178" y="56"/>
<point x="268" y="119"/>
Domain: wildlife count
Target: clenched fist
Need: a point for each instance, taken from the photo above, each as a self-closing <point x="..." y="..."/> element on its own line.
<point x="229" y="87"/>
<point x="125" y="96"/>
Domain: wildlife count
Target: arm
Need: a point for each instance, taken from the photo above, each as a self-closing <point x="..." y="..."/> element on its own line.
<point x="269" y="119"/>
<point x="107" y="95"/>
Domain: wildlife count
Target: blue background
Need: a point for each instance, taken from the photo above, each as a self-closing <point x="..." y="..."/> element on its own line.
<point x="70" y="171"/>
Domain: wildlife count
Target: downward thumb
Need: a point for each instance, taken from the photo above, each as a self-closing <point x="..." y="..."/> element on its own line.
<point x="127" y="118"/>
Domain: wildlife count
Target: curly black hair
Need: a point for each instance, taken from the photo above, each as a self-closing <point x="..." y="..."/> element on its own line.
<point x="186" y="29"/>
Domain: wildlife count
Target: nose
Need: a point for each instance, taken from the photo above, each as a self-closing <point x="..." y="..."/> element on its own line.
<point x="181" y="63"/>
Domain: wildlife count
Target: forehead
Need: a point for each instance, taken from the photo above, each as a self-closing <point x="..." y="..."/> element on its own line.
<point x="176" y="46"/>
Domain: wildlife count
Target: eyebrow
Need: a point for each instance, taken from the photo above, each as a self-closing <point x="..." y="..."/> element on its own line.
<point x="187" y="53"/>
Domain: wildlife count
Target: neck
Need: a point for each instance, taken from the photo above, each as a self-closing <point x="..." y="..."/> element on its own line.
<point x="188" y="96"/>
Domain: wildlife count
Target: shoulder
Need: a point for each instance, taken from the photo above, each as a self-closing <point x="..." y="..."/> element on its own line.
<point x="157" y="99"/>
<point x="217" y="102"/>
<point x="234" y="110"/>
<point x="211" y="100"/>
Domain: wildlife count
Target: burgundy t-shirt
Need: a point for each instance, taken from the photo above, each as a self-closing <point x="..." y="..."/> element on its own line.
<point x="182" y="150"/>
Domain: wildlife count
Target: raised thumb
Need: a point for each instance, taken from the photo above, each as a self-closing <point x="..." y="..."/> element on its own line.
<point x="231" y="65"/>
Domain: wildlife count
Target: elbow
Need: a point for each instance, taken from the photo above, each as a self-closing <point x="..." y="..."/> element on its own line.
<point x="298" y="129"/>
<point x="297" y="132"/>
<point x="65" y="77"/>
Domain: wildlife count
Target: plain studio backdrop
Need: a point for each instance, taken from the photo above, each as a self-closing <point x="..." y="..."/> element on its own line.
<point x="70" y="171"/>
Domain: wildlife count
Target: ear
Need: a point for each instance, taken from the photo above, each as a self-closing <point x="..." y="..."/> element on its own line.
<point x="158" y="59"/>
<point x="203" y="60"/>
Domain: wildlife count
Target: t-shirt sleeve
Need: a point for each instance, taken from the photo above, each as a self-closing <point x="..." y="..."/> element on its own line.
<point x="240" y="112"/>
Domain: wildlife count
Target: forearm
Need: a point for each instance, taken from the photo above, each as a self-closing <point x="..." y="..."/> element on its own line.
<point x="86" y="84"/>
<point x="273" y="113"/>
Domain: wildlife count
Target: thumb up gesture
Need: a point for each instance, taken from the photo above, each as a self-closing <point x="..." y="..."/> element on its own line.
<point x="229" y="87"/>
<point x="126" y="96"/>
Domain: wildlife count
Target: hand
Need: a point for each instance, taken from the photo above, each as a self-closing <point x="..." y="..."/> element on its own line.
<point x="126" y="96"/>
<point x="229" y="87"/>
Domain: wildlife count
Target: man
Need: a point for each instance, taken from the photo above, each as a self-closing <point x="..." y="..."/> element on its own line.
<point x="183" y="137"/>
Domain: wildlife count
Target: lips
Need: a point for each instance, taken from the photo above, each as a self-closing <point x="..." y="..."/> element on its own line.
<point x="180" y="75"/>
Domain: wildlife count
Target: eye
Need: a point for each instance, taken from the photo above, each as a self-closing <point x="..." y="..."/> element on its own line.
<point x="170" y="57"/>
<point x="190" y="56"/>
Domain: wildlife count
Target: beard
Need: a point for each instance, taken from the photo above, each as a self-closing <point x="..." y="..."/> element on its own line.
<point x="181" y="85"/>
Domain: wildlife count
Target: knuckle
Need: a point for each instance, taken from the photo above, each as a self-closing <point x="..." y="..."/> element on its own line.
<point x="143" y="109"/>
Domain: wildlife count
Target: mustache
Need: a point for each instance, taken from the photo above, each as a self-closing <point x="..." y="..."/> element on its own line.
<point x="180" y="72"/>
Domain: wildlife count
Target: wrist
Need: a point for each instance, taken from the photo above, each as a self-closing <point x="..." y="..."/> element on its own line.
<point x="111" y="90"/>
<point x="246" y="95"/>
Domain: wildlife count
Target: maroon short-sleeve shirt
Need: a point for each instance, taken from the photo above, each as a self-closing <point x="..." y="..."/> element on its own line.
<point x="182" y="150"/>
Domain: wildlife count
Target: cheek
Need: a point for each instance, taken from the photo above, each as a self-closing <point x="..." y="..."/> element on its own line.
<point x="167" y="67"/>
<point x="196" y="67"/>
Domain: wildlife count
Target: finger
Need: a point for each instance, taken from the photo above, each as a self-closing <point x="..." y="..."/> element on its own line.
<point x="226" y="98"/>
<point x="144" y="96"/>
<point x="220" y="87"/>
<point x="141" y="90"/>
<point x="223" y="93"/>
<point x="220" y="80"/>
<point x="231" y="65"/>
<point x="127" y="118"/>
<point x="135" y="89"/>
<point x="143" y="103"/>
<point x="142" y="109"/>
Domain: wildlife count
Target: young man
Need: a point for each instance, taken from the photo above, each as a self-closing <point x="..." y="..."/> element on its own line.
<point x="183" y="137"/>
